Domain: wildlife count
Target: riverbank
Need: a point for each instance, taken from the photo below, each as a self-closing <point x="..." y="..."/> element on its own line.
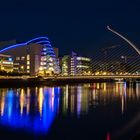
<point x="38" y="81"/>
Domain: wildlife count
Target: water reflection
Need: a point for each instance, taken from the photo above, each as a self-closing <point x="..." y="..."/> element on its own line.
<point x="34" y="109"/>
<point x="77" y="99"/>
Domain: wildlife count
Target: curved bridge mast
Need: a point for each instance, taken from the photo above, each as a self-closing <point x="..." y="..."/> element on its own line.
<point x="125" y="39"/>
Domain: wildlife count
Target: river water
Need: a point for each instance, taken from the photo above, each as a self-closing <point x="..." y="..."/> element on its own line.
<point x="98" y="111"/>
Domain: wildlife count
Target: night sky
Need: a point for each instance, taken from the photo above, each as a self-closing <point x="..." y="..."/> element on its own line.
<point x="71" y="25"/>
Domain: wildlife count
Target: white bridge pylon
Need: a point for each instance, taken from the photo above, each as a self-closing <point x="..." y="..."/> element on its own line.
<point x="124" y="38"/>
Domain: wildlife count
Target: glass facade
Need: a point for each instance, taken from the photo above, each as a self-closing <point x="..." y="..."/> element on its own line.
<point x="74" y="65"/>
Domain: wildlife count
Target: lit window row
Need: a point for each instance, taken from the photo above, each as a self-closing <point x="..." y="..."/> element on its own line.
<point x="82" y="66"/>
<point x="83" y="58"/>
<point x="20" y="58"/>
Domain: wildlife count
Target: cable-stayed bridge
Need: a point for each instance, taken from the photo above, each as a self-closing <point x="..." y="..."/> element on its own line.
<point x="121" y="60"/>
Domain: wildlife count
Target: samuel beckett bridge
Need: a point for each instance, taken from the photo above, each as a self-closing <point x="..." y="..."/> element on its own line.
<point x="116" y="61"/>
<point x="112" y="62"/>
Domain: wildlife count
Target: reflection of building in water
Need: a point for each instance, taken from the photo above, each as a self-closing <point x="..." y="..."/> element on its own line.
<point x="22" y="100"/>
<point x="123" y="100"/>
<point x="138" y="89"/>
<point x="84" y="100"/>
<point x="40" y="100"/>
<point x="35" y="108"/>
<point x="28" y="101"/>
<point x="79" y="95"/>
<point x="65" y="99"/>
<point x="131" y="90"/>
<point x="72" y="99"/>
<point x="75" y="99"/>
<point x="2" y="100"/>
<point x="18" y="108"/>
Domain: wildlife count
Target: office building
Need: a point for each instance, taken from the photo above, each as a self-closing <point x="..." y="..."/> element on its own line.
<point x="74" y="65"/>
<point x="35" y="57"/>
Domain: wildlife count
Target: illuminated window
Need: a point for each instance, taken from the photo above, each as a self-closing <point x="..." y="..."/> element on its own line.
<point x="28" y="67"/>
<point x="17" y="58"/>
<point x="28" y="57"/>
<point x="51" y="64"/>
<point x="28" y="62"/>
<point x="41" y="63"/>
<point x="40" y="68"/>
<point x="22" y="67"/>
<point x="23" y="58"/>
<point x="44" y="49"/>
<point x="10" y="59"/>
<point x="43" y="58"/>
<point x="50" y="59"/>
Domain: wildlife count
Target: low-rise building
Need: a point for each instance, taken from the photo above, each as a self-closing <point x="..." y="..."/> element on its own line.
<point x="6" y="63"/>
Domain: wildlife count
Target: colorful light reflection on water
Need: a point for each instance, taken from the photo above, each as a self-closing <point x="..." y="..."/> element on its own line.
<point x="31" y="109"/>
<point x="35" y="109"/>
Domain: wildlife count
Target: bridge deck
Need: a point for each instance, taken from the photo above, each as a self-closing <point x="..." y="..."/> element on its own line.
<point x="95" y="77"/>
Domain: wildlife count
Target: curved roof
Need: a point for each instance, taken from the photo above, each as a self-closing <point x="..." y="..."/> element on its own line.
<point x="39" y="40"/>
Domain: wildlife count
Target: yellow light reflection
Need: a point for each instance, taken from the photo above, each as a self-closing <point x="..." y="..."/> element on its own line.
<point x="122" y="101"/>
<point x="28" y="101"/>
<point x="65" y="99"/>
<point x="22" y="99"/>
<point x="2" y="105"/>
<point x="40" y="100"/>
<point x="72" y="99"/>
<point x="138" y="89"/>
<point x="98" y="85"/>
<point x="104" y="86"/>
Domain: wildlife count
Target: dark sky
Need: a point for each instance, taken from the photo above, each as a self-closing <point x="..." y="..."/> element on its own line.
<point x="71" y="24"/>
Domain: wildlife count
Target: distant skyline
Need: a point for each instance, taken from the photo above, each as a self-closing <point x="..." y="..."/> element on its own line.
<point x="75" y="25"/>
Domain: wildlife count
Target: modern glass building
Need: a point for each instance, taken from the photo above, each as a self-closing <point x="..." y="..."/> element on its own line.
<point x="83" y="65"/>
<point x="36" y="57"/>
<point x="75" y="65"/>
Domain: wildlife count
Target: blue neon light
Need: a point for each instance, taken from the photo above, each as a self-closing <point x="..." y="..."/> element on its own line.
<point x="43" y="41"/>
<point x="13" y="46"/>
<point x="48" y="45"/>
<point x="26" y="43"/>
<point x="36" y="39"/>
